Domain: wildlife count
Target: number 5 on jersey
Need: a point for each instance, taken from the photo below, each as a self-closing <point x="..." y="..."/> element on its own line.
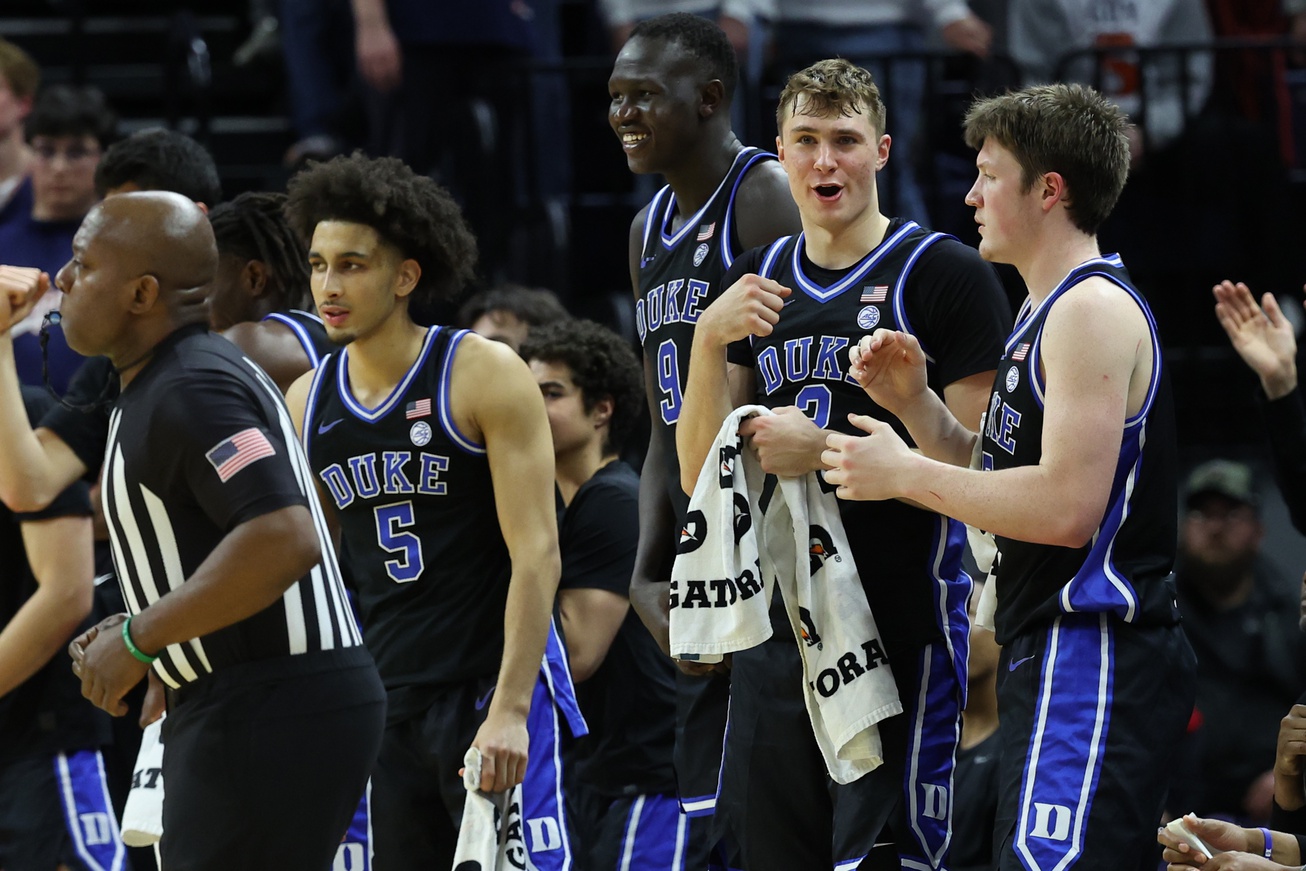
<point x="391" y="521"/>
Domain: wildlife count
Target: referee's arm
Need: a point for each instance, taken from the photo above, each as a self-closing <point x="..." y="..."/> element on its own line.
<point x="514" y="428"/>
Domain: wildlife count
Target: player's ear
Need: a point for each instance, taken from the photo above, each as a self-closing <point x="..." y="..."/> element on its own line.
<point x="1053" y="190"/>
<point x="409" y="273"/>
<point x="255" y="277"/>
<point x="712" y="97"/>
<point x="601" y="413"/>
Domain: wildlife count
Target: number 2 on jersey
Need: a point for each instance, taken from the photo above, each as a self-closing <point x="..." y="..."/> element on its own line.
<point x="814" y="400"/>
<point x="391" y="520"/>
<point x="669" y="381"/>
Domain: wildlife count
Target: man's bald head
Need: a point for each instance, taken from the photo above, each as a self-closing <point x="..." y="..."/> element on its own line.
<point x="158" y="233"/>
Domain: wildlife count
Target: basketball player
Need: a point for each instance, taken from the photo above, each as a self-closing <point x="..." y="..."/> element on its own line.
<point x="624" y="788"/>
<point x="434" y="448"/>
<point x="671" y="89"/>
<point x="275" y="707"/>
<point x="1078" y="483"/>
<point x="790" y="311"/>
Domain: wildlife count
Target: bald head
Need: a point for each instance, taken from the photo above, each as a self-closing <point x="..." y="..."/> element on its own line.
<point x="157" y="233"/>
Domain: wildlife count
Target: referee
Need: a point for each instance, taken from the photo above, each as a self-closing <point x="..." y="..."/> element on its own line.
<point x="275" y="708"/>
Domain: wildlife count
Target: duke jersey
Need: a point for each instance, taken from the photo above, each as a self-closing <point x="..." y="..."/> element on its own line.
<point x="907" y="557"/>
<point x="678" y="271"/>
<point x="420" y="539"/>
<point x="199" y="443"/>
<point x="1124" y="570"/>
<point x="308" y="328"/>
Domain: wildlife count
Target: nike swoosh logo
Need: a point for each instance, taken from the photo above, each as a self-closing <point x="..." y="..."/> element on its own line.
<point x="485" y="699"/>
<point x="323" y="427"/>
<point x="1015" y="662"/>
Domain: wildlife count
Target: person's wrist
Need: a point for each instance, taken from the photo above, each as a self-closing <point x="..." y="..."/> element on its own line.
<point x="132" y="647"/>
<point x="1280" y="383"/>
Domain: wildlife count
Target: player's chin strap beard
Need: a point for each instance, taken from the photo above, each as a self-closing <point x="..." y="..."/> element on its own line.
<point x="101" y="401"/>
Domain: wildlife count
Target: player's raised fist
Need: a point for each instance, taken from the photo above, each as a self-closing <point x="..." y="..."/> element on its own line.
<point x="20" y="288"/>
<point x="890" y="366"/>
<point x="749" y="307"/>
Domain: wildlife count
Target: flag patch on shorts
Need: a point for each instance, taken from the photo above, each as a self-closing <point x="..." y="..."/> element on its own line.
<point x="235" y="453"/>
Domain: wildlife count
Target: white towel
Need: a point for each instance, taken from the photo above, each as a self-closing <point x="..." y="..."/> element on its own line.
<point x="984" y="548"/>
<point x="142" y="818"/>
<point x="721" y="589"/>
<point x="491" y="836"/>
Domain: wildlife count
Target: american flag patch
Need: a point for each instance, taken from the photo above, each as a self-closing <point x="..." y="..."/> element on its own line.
<point x="878" y="293"/>
<point x="1021" y="352"/>
<point x="420" y="408"/>
<point x="235" y="453"/>
<point x="705" y="231"/>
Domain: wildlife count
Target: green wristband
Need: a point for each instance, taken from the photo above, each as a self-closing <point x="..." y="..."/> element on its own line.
<point x="131" y="645"/>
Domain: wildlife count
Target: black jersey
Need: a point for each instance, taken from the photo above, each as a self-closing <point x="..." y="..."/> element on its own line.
<point x="630" y="701"/>
<point x="46" y="713"/>
<point x="924" y="283"/>
<point x="1124" y="569"/>
<point x="308" y="328"/>
<point x="678" y="272"/>
<point x="200" y="442"/>
<point x="420" y="537"/>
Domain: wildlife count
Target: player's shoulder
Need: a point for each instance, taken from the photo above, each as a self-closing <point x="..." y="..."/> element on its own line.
<point x="764" y="207"/>
<point x="480" y="361"/>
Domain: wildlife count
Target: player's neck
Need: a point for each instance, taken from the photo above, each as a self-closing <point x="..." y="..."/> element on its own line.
<point x="697" y="179"/>
<point x="573" y="469"/>
<point x="981" y="717"/>
<point x="15" y="156"/>
<point x="381" y="359"/>
<point x="1051" y="257"/>
<point x="843" y="246"/>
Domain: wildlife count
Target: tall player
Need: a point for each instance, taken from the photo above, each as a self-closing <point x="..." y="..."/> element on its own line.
<point x="434" y="449"/>
<point x="671" y="88"/>
<point x="789" y="313"/>
<point x="1078" y="483"/>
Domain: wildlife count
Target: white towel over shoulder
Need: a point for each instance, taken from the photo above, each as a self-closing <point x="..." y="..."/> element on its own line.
<point x="730" y="554"/>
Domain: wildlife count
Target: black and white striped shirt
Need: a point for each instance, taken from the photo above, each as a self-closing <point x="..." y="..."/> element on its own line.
<point x="199" y="443"/>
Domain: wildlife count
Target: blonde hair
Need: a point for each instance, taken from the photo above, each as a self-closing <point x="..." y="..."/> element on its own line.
<point x="830" y="88"/>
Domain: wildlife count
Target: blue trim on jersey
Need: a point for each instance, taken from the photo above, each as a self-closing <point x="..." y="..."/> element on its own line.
<point x="372" y="415"/>
<point x="355" y="850"/>
<point x="899" y="306"/>
<point x="705" y="805"/>
<point x="858" y="272"/>
<point x="655" y="836"/>
<point x="310" y="402"/>
<point x="300" y="333"/>
<point x="446" y="415"/>
<point x="771" y="255"/>
<point x="1065" y="757"/>
<point x="651" y="217"/>
<point x="727" y="221"/>
<point x="675" y="239"/>
<point x="88" y="813"/>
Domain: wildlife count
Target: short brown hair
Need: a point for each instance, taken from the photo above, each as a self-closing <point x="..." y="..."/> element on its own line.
<point x="19" y="70"/>
<point x="1067" y="129"/>
<point x="833" y="87"/>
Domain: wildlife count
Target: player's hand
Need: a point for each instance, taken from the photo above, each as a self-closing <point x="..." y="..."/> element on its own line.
<point x="20" y="289"/>
<point x="969" y="34"/>
<point x="749" y="307"/>
<point x="890" y="366"/>
<point x="1261" y="335"/>
<point x="380" y="59"/>
<point x="503" y="743"/>
<point x="868" y="467"/>
<point x="1234" y="862"/>
<point x="155" y="701"/>
<point x="788" y="443"/>
<point x="105" y="665"/>
<point x="1290" y="749"/>
<point x="1216" y="834"/>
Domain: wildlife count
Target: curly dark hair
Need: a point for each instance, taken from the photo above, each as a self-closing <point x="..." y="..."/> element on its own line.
<point x="601" y="363"/>
<point x="160" y="160"/>
<point x="701" y="39"/>
<point x="407" y="210"/>
<point x="253" y="226"/>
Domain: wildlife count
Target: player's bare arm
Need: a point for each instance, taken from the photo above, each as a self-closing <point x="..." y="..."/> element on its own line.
<point x="511" y="422"/>
<point x="749" y="307"/>
<point x="1097" y="365"/>
<point x="60" y="553"/>
<point x="764" y="207"/>
<point x="274" y="347"/>
<point x="590" y="621"/>
<point x="35" y="465"/>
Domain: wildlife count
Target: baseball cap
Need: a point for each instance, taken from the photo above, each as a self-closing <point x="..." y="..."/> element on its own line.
<point x="1225" y="478"/>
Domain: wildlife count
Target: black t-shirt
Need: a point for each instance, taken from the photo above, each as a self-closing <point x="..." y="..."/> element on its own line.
<point x="47" y="713"/>
<point x="975" y="805"/>
<point x="924" y="283"/>
<point x="199" y="443"/>
<point x="630" y="701"/>
<point x="93" y="386"/>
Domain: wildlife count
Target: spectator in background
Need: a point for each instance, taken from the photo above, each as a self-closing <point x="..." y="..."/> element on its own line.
<point x="68" y="129"/>
<point x="625" y="798"/>
<point x="508" y="312"/>
<point x="160" y="160"/>
<point x="871" y="33"/>
<point x="19" y="79"/>
<point x="1242" y="618"/>
<point x="1044" y="33"/>
<point x="314" y="35"/>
